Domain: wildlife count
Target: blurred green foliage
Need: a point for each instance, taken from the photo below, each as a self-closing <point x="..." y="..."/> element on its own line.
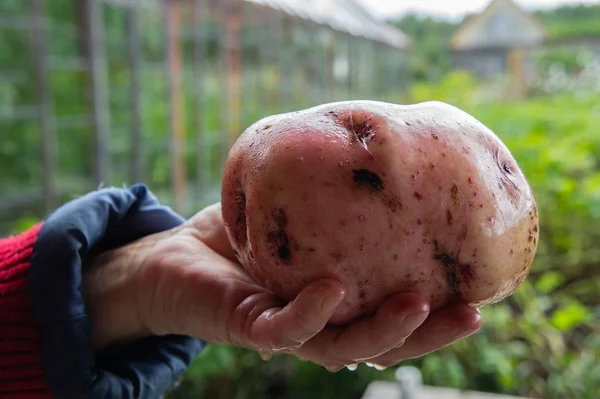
<point x="570" y="21"/>
<point x="430" y="59"/>
<point x="542" y="342"/>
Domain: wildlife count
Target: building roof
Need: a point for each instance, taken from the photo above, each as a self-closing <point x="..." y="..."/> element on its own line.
<point x="342" y="15"/>
<point x="502" y="23"/>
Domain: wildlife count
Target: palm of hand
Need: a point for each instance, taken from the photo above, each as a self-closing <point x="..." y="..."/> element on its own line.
<point x="193" y="285"/>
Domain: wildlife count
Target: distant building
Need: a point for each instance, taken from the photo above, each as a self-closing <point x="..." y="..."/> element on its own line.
<point x="497" y="42"/>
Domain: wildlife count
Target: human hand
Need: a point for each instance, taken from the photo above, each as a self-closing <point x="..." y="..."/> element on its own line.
<point x="187" y="281"/>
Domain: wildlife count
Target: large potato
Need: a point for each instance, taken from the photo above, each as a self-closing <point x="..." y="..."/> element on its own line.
<point x="383" y="198"/>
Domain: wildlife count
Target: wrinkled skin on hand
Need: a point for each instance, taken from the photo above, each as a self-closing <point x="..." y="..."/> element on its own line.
<point x="383" y="198"/>
<point x="188" y="281"/>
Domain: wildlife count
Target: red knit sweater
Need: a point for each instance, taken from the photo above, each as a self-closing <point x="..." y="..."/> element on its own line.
<point x="21" y="371"/>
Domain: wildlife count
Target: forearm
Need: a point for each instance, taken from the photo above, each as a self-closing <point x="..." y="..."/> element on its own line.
<point x="110" y="296"/>
<point x="57" y="309"/>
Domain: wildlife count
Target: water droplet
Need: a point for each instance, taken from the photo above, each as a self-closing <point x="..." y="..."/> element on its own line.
<point x="380" y="368"/>
<point x="352" y="367"/>
<point x="265" y="355"/>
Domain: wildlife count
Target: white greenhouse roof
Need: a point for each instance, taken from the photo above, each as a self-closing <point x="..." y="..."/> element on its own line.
<point x="342" y="15"/>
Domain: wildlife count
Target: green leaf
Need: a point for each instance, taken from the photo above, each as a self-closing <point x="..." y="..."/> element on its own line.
<point x="570" y="316"/>
<point x="549" y="281"/>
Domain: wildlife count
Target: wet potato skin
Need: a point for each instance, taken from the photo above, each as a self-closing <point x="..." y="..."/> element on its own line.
<point x="383" y="198"/>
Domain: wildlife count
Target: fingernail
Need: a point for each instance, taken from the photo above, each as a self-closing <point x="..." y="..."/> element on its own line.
<point x="331" y="300"/>
<point x="415" y="319"/>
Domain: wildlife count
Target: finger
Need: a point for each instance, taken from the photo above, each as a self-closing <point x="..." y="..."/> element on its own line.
<point x="441" y="329"/>
<point x="300" y="320"/>
<point x="395" y="320"/>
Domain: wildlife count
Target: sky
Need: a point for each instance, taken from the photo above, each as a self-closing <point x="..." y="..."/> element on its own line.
<point x="452" y="9"/>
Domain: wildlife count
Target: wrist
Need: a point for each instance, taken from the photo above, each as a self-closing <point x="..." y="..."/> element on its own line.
<point x="111" y="294"/>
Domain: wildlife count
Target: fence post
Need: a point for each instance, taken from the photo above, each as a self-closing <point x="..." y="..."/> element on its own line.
<point x="199" y="28"/>
<point x="233" y="28"/>
<point x="173" y="60"/>
<point x="134" y="54"/>
<point x="100" y="111"/>
<point x="47" y="136"/>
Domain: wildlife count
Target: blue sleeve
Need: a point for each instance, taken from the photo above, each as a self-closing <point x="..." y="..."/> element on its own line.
<point x="99" y="220"/>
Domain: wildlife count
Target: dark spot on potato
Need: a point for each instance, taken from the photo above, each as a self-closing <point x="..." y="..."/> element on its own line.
<point x="535" y="228"/>
<point x="395" y="257"/>
<point x="418" y="250"/>
<point x="280" y="243"/>
<point x="236" y="253"/>
<point x="507" y="168"/>
<point x="240" y="221"/>
<point x="280" y="217"/>
<point x="311" y="249"/>
<point x="466" y="272"/>
<point x="454" y="193"/>
<point x="267" y="127"/>
<point x="443" y="155"/>
<point x="419" y="222"/>
<point x="431" y="166"/>
<point x="480" y="206"/>
<point x="471" y="205"/>
<point x="474" y="252"/>
<point x="367" y="179"/>
<point x="361" y="218"/>
<point x="418" y="196"/>
<point x="393" y="204"/>
<point x="449" y="262"/>
<point x="364" y="130"/>
<point x="434" y="136"/>
<point x="278" y="238"/>
<point x="413" y="177"/>
<point x="407" y="123"/>
<point x="512" y="251"/>
<point x="343" y="222"/>
<point x="336" y="256"/>
<point x="444" y="258"/>
<point x="449" y="217"/>
<point x="362" y="248"/>
<point x="284" y="252"/>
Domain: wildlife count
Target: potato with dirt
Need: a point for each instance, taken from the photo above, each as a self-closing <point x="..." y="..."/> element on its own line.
<point x="383" y="198"/>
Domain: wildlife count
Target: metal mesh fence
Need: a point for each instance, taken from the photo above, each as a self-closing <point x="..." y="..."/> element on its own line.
<point x="113" y="92"/>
